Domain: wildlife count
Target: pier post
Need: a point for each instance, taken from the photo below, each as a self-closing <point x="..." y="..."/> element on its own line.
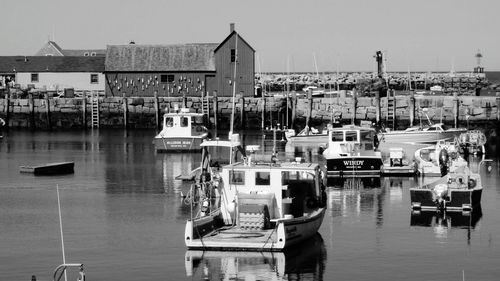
<point x="242" y="112"/>
<point x="157" y="110"/>
<point x="498" y="107"/>
<point x="412" y="107"/>
<point x="216" y="110"/>
<point x="84" y="109"/>
<point x="7" y="108"/>
<point x="310" y="106"/>
<point x="456" y="109"/>
<point x="354" y="105"/>
<point x="125" y="111"/>
<point x="294" y="109"/>
<point x="47" y="110"/>
<point x="263" y="112"/>
<point x="32" y="111"/>
<point x="377" y="107"/>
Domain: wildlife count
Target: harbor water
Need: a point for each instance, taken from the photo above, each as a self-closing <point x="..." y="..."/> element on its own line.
<point x="123" y="217"/>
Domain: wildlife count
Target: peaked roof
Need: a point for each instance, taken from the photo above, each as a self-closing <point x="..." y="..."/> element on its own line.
<point x="229" y="36"/>
<point x="50" y="45"/>
<point x="12" y="64"/>
<point x="51" y="48"/>
<point x="178" y="57"/>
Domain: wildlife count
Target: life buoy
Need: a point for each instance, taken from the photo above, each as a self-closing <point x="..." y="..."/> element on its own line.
<point x="198" y="129"/>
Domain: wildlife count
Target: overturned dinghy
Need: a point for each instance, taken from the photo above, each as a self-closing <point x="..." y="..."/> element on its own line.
<point x="257" y="206"/>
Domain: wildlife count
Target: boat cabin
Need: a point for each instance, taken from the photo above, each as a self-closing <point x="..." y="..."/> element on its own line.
<point x="283" y="190"/>
<point x="183" y="123"/>
<point x="351" y="139"/>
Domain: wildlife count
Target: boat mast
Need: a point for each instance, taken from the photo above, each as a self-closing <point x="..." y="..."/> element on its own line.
<point x="61" y="230"/>
<point x="234" y="84"/>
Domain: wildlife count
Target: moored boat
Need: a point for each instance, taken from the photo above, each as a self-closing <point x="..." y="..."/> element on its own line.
<point x="181" y="131"/>
<point x="49" y="168"/>
<point x="351" y="152"/>
<point x="472" y="142"/>
<point x="426" y="135"/>
<point x="398" y="163"/>
<point x="459" y="190"/>
<point x="438" y="159"/>
<point x="257" y="205"/>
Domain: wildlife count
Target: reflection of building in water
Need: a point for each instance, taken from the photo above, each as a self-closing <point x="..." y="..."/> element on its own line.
<point x="443" y="222"/>
<point x="176" y="164"/>
<point x="304" y="262"/>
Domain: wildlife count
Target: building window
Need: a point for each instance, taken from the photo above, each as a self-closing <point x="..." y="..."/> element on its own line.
<point x="94" y="79"/>
<point x="167" y="78"/>
<point x="34" y="77"/>
<point x="233" y="55"/>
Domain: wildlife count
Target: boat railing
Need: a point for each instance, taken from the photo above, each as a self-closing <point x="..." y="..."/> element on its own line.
<point x="59" y="272"/>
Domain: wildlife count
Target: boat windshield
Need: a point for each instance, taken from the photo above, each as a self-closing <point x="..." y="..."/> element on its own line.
<point x="198" y="120"/>
<point x="169" y="121"/>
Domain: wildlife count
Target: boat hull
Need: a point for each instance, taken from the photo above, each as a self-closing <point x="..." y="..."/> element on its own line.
<point x="208" y="234"/>
<point x="354" y="166"/>
<point x="167" y="144"/>
<point x="457" y="200"/>
<point x="321" y="139"/>
<point x="50" y="168"/>
<point x="424" y="137"/>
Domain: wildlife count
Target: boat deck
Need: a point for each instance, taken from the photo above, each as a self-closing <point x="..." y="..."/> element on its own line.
<point x="236" y="238"/>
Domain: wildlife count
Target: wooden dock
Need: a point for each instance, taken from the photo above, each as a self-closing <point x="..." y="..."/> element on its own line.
<point x="50" y="168"/>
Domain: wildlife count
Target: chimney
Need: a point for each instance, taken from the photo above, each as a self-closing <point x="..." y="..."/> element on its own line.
<point x="231" y="27"/>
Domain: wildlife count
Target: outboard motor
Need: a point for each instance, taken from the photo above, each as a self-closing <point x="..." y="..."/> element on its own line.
<point x="443" y="161"/>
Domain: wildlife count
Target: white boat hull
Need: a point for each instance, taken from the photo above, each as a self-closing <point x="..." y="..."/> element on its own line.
<point x="419" y="136"/>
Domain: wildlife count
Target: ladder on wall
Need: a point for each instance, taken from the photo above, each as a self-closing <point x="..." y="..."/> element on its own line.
<point x="205" y="105"/>
<point x="94" y="102"/>
<point x="391" y="109"/>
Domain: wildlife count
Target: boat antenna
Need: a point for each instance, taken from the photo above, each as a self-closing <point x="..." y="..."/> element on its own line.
<point x="61" y="230"/>
<point x="234" y="82"/>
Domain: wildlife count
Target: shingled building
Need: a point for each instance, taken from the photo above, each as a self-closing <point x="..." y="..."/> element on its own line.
<point x="181" y="69"/>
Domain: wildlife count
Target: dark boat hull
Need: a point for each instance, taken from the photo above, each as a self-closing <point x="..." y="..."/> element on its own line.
<point x="458" y="200"/>
<point x="50" y="168"/>
<point x="354" y="166"/>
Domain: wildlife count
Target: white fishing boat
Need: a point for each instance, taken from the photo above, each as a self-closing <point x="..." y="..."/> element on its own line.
<point x="181" y="131"/>
<point x="351" y="152"/>
<point x="438" y="159"/>
<point x="256" y="205"/>
<point x="459" y="190"/>
<point x="414" y="135"/>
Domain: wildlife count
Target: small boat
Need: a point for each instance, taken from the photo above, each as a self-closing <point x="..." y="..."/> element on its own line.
<point x="310" y="135"/>
<point x="426" y="135"/>
<point x="459" y="190"/>
<point x="472" y="142"/>
<point x="256" y="205"/>
<point x="438" y="159"/>
<point x="49" y="168"/>
<point x="182" y="131"/>
<point x="398" y="164"/>
<point x="351" y="152"/>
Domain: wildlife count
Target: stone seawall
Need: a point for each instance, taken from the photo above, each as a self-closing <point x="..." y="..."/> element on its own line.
<point x="145" y="112"/>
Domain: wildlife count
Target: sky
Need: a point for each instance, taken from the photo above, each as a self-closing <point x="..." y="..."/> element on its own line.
<point x="288" y="35"/>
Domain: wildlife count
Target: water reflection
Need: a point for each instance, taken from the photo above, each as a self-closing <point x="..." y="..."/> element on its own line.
<point x="303" y="262"/>
<point x="443" y="222"/>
